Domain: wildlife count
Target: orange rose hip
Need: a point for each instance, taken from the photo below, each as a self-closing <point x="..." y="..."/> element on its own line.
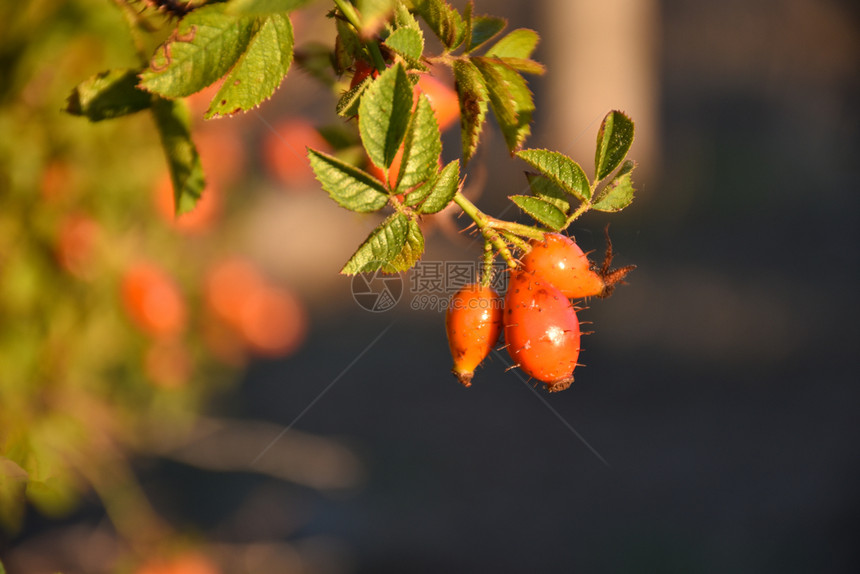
<point x="541" y="330"/>
<point x="473" y="323"/>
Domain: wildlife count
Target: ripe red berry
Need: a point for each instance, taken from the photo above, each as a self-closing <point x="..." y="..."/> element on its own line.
<point x="541" y="330"/>
<point x="561" y="262"/>
<point x="473" y="322"/>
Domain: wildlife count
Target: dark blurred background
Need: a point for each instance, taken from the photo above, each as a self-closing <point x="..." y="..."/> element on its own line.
<point x="714" y="428"/>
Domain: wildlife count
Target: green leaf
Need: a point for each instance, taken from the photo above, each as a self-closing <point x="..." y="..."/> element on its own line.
<point x="542" y="187"/>
<point x="511" y="100"/>
<point x="403" y="18"/>
<point x="524" y="65"/>
<point x="618" y="193"/>
<point x="382" y="247"/>
<point x="562" y="170"/>
<point x="501" y="98"/>
<point x="473" y="97"/>
<point x="408" y="43"/>
<point x="384" y="115"/>
<point x="347" y="105"/>
<point x="173" y="121"/>
<point x="412" y="248"/>
<point x="421" y="148"/>
<point x="519" y="43"/>
<point x="204" y="46"/>
<point x="108" y="95"/>
<point x="613" y="143"/>
<point x="347" y="46"/>
<point x="444" y="20"/>
<point x="259" y="71"/>
<point x="484" y="29"/>
<point x="349" y="186"/>
<point x="264" y="7"/>
<point x="444" y="189"/>
<point x="541" y="211"/>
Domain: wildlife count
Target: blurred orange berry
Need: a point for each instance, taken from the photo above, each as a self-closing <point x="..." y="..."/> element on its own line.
<point x="228" y="285"/>
<point x="443" y="100"/>
<point x="285" y="151"/>
<point x="186" y="563"/>
<point x="152" y="300"/>
<point x="76" y="241"/>
<point x="272" y="322"/>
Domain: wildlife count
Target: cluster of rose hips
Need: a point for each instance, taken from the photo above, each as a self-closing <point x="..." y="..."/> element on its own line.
<point x="542" y="333"/>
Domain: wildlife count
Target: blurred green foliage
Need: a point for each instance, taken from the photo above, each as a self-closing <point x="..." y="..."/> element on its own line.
<point x="78" y="377"/>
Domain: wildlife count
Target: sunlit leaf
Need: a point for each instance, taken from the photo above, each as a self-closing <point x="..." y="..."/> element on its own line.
<point x="618" y="193"/>
<point x="541" y="211"/>
<point x="473" y="97"/>
<point x="444" y="188"/>
<point x="562" y="170"/>
<point x="421" y="148"/>
<point x="204" y="46"/>
<point x="408" y="43"/>
<point x="382" y="247"/>
<point x="543" y="188"/>
<point x="260" y="69"/>
<point x="510" y="98"/>
<point x="519" y="43"/>
<point x="443" y="19"/>
<point x="411" y="251"/>
<point x="613" y="142"/>
<point x="349" y="186"/>
<point x="347" y="105"/>
<point x="384" y="115"/>
<point x="484" y="29"/>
